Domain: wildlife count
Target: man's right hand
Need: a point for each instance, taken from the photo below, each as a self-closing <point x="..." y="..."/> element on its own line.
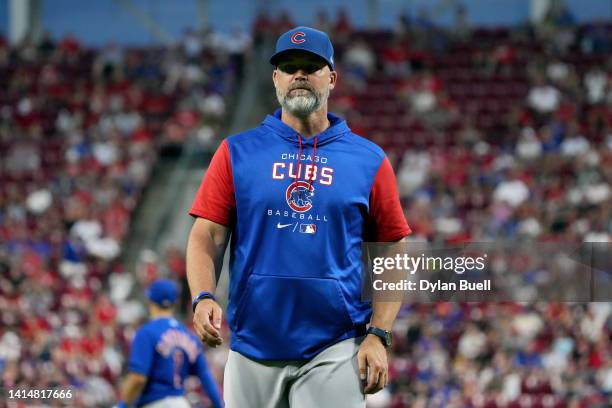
<point x="207" y="322"/>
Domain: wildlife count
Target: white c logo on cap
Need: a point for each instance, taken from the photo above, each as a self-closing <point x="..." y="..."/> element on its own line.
<point x="296" y="40"/>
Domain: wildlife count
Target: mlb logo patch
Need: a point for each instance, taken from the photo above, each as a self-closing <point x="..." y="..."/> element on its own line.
<point x="308" y="228"/>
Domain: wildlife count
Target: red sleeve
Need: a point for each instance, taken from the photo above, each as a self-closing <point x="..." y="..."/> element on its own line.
<point x="386" y="217"/>
<point x="215" y="198"/>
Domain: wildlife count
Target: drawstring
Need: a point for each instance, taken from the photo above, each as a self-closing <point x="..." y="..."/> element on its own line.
<point x="297" y="172"/>
<point x="312" y="171"/>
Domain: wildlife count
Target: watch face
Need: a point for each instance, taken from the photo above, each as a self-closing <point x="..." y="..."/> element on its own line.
<point x="385" y="336"/>
<point x="389" y="339"/>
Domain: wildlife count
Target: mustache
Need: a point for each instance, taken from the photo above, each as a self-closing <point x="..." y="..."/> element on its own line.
<point x="301" y="85"/>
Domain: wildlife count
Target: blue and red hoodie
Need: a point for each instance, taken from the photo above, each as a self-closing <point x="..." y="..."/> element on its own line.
<point x="298" y="210"/>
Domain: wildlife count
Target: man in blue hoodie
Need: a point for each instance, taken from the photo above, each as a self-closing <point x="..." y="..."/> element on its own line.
<point x="298" y="195"/>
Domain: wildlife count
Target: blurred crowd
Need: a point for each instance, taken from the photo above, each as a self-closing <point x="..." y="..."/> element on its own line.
<point x="500" y="355"/>
<point x="80" y="132"/>
<point x="494" y="134"/>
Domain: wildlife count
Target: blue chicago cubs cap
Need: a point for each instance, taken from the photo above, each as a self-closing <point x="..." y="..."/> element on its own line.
<point x="305" y="39"/>
<point x="162" y="292"/>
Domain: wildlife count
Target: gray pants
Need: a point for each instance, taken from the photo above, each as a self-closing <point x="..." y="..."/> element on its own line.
<point x="331" y="379"/>
<point x="169" y="402"/>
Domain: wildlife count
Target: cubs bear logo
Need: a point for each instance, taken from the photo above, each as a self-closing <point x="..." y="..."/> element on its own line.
<point x="299" y="196"/>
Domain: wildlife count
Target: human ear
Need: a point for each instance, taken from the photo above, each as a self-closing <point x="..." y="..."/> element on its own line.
<point x="333" y="77"/>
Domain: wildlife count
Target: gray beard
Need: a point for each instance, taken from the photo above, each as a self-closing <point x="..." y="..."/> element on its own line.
<point x="304" y="104"/>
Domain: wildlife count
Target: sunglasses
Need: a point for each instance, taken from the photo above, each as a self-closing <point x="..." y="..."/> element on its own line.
<point x="292" y="68"/>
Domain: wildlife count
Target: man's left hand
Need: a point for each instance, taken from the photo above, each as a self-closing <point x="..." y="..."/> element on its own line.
<point x="373" y="365"/>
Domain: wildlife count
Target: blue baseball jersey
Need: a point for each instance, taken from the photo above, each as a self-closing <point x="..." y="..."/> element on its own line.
<point x="298" y="210"/>
<point x="166" y="352"/>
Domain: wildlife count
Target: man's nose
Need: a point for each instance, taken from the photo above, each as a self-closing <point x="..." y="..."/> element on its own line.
<point x="301" y="74"/>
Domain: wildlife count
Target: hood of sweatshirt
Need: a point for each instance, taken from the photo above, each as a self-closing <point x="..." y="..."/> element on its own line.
<point x="336" y="130"/>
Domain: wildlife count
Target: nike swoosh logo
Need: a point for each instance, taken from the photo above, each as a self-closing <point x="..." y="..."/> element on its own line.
<point x="279" y="225"/>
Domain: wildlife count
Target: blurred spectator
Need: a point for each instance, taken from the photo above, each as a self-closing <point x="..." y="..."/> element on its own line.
<point x="283" y="23"/>
<point x="342" y="29"/>
<point x="343" y="25"/>
<point x="322" y="21"/>
<point x="421" y="91"/>
<point x="596" y="38"/>
<point x="555" y="30"/>
<point x="358" y="63"/>
<point x="192" y="44"/>
<point x="501" y="60"/>
<point x="109" y="60"/>
<point x="461" y="30"/>
<point x="596" y="84"/>
<point x="360" y="59"/>
<point x="557" y="71"/>
<point x="238" y="45"/>
<point x="262" y="28"/>
<point x="543" y="97"/>
<point x="395" y="59"/>
<point x="528" y="147"/>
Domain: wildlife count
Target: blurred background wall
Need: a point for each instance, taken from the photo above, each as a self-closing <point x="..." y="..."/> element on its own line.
<point x="99" y="22"/>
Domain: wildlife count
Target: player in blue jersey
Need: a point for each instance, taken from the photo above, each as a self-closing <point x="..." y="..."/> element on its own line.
<point x="164" y="352"/>
<point x="297" y="195"/>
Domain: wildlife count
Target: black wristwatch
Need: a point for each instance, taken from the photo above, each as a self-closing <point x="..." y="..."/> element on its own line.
<point x="383" y="335"/>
